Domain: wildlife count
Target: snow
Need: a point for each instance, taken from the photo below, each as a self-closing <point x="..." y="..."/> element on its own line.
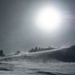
<point x="27" y="66"/>
<point x="31" y="68"/>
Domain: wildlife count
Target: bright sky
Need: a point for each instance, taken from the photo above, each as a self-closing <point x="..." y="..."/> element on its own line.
<point x="20" y="30"/>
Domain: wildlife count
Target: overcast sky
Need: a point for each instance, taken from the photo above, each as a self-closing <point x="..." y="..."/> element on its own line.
<point x="18" y="31"/>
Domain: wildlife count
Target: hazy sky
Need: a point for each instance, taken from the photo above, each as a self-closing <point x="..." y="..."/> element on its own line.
<point x="19" y="32"/>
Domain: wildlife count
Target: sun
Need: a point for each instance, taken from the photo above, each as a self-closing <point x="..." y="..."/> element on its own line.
<point x="48" y="18"/>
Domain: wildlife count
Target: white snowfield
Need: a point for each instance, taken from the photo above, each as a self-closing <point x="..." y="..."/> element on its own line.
<point x="32" y="64"/>
<point x="33" y="68"/>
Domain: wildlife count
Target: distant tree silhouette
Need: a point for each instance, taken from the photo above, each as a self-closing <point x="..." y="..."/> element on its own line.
<point x="36" y="49"/>
<point x="32" y="50"/>
<point x="1" y="53"/>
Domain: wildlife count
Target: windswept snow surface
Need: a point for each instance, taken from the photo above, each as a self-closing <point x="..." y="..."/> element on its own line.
<point x="32" y="68"/>
<point x="32" y="64"/>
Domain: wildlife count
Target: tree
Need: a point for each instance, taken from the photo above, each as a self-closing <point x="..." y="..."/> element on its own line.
<point x="1" y="53"/>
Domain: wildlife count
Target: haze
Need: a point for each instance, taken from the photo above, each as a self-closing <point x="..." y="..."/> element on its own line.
<point x="19" y="32"/>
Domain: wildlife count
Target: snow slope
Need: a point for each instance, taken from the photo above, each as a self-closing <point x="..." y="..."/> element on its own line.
<point x="36" y="63"/>
<point x="62" y="54"/>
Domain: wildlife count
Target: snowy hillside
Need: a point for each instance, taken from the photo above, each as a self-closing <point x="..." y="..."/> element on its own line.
<point x="63" y="54"/>
<point x="38" y="63"/>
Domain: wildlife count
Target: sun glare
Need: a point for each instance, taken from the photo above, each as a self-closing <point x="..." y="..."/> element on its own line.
<point x="48" y="18"/>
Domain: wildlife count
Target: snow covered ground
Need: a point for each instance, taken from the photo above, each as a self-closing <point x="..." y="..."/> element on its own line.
<point x="32" y="68"/>
<point x="36" y="63"/>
